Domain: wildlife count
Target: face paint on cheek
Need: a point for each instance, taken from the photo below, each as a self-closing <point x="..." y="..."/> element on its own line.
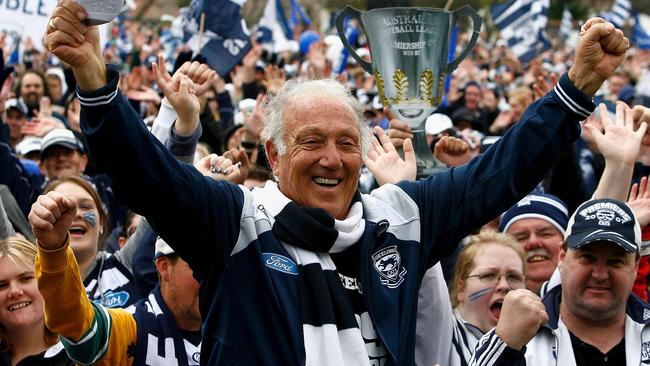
<point x="480" y="293"/>
<point x="91" y="218"/>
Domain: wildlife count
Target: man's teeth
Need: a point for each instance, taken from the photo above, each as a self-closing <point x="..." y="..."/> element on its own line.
<point x="537" y="258"/>
<point x="327" y="181"/>
<point x="19" y="306"/>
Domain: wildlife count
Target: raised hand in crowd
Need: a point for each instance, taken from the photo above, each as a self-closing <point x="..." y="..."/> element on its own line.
<point x="601" y="49"/>
<point x="543" y="86"/>
<point x="503" y="121"/>
<point x="642" y="114"/>
<point x="521" y="316"/>
<point x="237" y="79"/>
<point x="384" y="162"/>
<point x="5" y="90"/>
<point x="398" y="131"/>
<point x="452" y="151"/>
<point x="594" y="120"/>
<point x="254" y="122"/>
<point x="639" y="201"/>
<point x="233" y="166"/>
<point x="51" y="217"/>
<point x="619" y="144"/>
<point x="179" y="91"/>
<point x="250" y="63"/>
<point x="201" y="75"/>
<point x="43" y="122"/>
<point x="274" y="78"/>
<point x="144" y="94"/>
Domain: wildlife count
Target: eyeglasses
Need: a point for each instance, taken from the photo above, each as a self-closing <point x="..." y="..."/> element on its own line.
<point x="513" y="278"/>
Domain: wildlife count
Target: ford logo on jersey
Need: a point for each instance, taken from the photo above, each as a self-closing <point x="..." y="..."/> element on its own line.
<point x="280" y="263"/>
<point x="115" y="299"/>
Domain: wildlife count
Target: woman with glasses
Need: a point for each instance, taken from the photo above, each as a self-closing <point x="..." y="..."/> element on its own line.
<point x="489" y="266"/>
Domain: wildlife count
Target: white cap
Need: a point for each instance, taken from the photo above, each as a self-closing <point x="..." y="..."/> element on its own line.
<point x="247" y="103"/>
<point x="29" y="144"/>
<point x="61" y="137"/>
<point x="162" y="248"/>
<point x="361" y="52"/>
<point x="437" y="123"/>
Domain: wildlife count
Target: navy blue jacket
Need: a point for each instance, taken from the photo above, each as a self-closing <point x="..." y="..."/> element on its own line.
<point x="250" y="309"/>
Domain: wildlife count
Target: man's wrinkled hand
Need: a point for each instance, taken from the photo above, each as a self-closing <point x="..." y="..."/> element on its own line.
<point x="601" y="49"/>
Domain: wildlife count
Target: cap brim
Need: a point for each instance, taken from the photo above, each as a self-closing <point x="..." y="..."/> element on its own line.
<point x="579" y="240"/>
<point x="67" y="144"/>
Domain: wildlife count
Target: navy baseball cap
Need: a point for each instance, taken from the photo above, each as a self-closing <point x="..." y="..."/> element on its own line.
<point x="604" y="220"/>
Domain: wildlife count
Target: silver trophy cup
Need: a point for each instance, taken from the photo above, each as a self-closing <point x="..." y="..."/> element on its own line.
<point x="409" y="48"/>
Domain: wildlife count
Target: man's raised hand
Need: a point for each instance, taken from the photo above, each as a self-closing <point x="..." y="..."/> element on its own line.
<point x="601" y="49"/>
<point x="76" y="44"/>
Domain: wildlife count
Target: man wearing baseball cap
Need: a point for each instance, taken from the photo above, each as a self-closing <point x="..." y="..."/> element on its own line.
<point x="62" y="154"/>
<point x="592" y="318"/>
<point x="15" y="117"/>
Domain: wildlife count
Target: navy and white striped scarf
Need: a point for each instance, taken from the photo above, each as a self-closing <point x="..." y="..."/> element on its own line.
<point x="330" y="329"/>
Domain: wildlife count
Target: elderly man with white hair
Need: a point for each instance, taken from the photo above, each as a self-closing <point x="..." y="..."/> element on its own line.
<point x="308" y="270"/>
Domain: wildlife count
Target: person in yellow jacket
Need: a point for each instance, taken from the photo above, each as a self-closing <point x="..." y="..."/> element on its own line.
<point x="165" y="327"/>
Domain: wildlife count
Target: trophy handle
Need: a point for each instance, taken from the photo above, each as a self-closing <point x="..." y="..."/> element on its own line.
<point x="476" y="20"/>
<point x="352" y="13"/>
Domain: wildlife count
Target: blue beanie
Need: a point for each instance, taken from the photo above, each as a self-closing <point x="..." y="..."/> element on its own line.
<point x="537" y="206"/>
<point x="306" y="39"/>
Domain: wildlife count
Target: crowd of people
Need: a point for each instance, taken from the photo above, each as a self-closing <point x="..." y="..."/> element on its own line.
<point x="158" y="213"/>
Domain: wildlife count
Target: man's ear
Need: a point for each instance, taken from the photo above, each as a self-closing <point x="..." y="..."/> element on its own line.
<point x="163" y="267"/>
<point x="41" y="167"/>
<point x="561" y="257"/>
<point x="83" y="161"/>
<point x="272" y="156"/>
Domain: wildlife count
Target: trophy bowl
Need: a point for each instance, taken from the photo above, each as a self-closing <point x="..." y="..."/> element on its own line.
<point x="409" y="49"/>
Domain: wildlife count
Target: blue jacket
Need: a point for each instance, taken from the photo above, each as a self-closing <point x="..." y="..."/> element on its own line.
<point x="250" y="308"/>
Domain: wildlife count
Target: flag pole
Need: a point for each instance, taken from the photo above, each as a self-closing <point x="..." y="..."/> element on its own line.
<point x="201" y="25"/>
<point x="448" y="5"/>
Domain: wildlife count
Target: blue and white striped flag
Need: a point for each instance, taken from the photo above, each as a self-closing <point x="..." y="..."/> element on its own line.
<point x="522" y="23"/>
<point x="566" y="27"/>
<point x="621" y="11"/>
<point x="641" y="32"/>
<point x="225" y="40"/>
<point x="352" y="34"/>
<point x="273" y="28"/>
<point x="298" y="15"/>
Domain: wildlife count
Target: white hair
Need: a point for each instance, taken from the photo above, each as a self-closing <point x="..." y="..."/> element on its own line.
<point x="276" y="106"/>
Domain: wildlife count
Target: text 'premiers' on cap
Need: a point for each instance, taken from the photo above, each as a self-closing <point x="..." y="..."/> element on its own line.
<point x="604" y="220"/>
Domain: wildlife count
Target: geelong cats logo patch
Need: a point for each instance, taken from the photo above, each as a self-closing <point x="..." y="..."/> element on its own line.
<point x="388" y="262"/>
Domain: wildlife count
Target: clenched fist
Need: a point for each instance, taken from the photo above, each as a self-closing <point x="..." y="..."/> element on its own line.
<point x="51" y="217"/>
<point x="521" y="316"/>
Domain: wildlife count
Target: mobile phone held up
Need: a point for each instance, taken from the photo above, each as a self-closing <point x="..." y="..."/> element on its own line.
<point x="101" y="11"/>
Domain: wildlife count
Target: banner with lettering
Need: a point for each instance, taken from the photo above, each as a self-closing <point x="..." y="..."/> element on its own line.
<point x="26" y="18"/>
